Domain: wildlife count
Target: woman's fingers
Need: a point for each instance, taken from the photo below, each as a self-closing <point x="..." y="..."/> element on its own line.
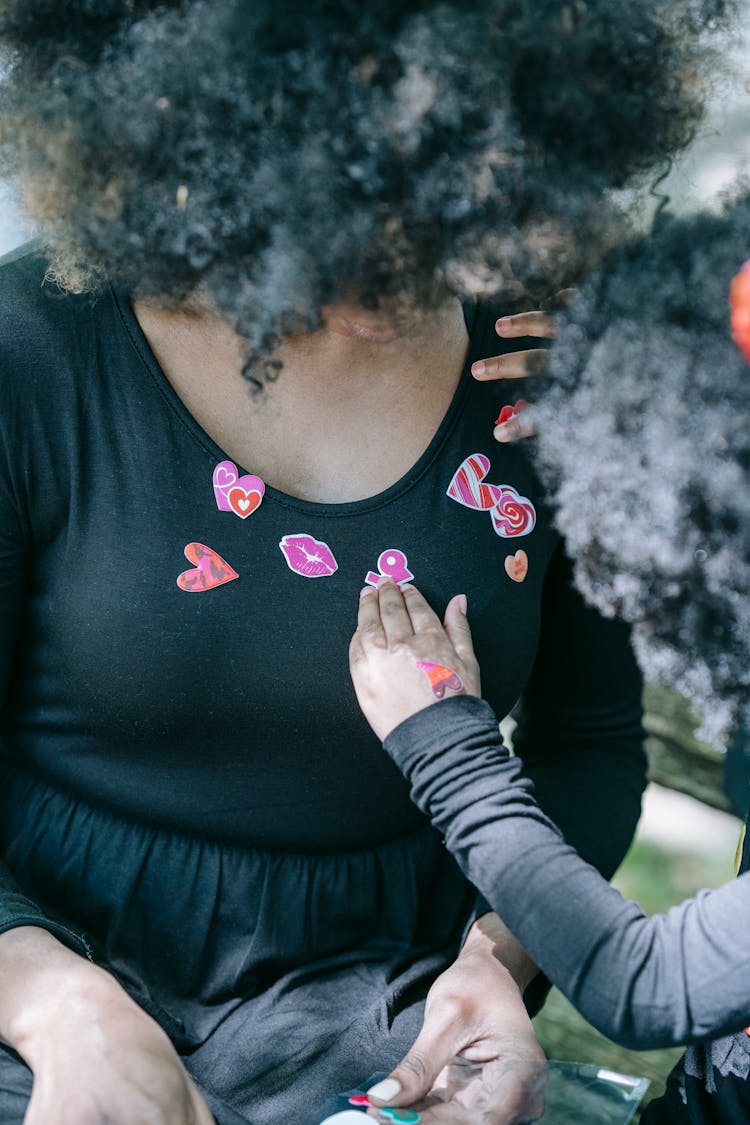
<point x="514" y="365"/>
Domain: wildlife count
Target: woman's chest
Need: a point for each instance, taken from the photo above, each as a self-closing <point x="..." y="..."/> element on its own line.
<point x="183" y="585"/>
<point x="189" y="623"/>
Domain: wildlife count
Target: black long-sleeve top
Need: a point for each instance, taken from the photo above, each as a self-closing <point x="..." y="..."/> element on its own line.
<point x="225" y="711"/>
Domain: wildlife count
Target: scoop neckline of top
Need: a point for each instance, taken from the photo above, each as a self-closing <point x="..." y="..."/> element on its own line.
<point x="471" y="310"/>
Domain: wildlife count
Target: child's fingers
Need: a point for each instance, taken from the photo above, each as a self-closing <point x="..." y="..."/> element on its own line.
<point x="369" y="625"/>
<point x="459" y="633"/>
<point x="356" y="652"/>
<point x="393" y="613"/>
<point x="423" y="617"/>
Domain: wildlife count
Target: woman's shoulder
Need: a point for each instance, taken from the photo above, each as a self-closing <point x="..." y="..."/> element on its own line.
<point x="44" y="330"/>
<point x="31" y="298"/>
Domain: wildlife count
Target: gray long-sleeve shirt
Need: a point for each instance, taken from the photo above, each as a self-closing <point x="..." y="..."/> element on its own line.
<point x="645" y="982"/>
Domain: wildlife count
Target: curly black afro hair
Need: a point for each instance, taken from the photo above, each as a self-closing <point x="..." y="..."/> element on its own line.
<point x="274" y="156"/>
<point x="645" y="438"/>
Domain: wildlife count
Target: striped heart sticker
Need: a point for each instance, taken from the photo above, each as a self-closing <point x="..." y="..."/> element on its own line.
<point x="467" y="486"/>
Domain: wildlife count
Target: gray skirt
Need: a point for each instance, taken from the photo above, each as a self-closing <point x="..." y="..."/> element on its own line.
<point x="280" y="978"/>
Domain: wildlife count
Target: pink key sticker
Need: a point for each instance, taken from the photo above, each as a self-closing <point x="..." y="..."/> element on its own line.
<point x="308" y="556"/>
<point x="238" y="494"/>
<point x="391" y="564"/>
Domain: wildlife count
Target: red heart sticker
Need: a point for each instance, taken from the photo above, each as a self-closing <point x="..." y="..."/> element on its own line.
<point x="243" y="501"/>
<point x="510" y="411"/>
<point x="517" y="566"/>
<point x="210" y="570"/>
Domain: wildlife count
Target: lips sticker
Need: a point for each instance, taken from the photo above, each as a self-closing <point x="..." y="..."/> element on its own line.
<point x="211" y="570"/>
<point x="308" y="556"/>
<point x="238" y="494"/>
<point x="517" y="566"/>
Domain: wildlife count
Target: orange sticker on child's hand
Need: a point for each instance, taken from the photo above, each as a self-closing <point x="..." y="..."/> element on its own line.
<point x="517" y="566"/>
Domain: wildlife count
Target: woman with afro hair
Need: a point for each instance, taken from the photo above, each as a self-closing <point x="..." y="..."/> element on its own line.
<point x="655" y="508"/>
<point x="236" y="384"/>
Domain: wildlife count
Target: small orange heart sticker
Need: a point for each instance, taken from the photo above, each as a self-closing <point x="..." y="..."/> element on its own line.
<point x="517" y="566"/>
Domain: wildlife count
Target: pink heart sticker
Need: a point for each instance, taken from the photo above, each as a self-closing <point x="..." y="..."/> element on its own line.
<point x="225" y="479"/>
<point x="467" y="487"/>
<point x="210" y="571"/>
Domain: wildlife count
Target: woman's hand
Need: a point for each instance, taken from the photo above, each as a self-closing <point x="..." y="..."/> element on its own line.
<point x="516" y="422"/>
<point x="97" y="1058"/>
<point x="112" y="1065"/>
<point x="403" y="658"/>
<point x="474" y="1014"/>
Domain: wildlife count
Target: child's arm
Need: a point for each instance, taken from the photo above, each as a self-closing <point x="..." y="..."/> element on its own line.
<point x="645" y="982"/>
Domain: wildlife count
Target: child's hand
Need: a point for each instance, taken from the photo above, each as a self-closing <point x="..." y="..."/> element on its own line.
<point x="403" y="658"/>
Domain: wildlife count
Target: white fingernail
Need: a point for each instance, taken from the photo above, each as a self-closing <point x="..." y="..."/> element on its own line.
<point x="386" y="1090"/>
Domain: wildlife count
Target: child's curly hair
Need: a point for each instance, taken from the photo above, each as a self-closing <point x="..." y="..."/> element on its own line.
<point x="276" y="155"/>
<point x="645" y="436"/>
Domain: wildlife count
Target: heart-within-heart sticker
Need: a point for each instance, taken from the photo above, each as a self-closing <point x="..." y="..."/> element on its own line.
<point x="517" y="566"/>
<point x="211" y="570"/>
<point x="234" y="493"/>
